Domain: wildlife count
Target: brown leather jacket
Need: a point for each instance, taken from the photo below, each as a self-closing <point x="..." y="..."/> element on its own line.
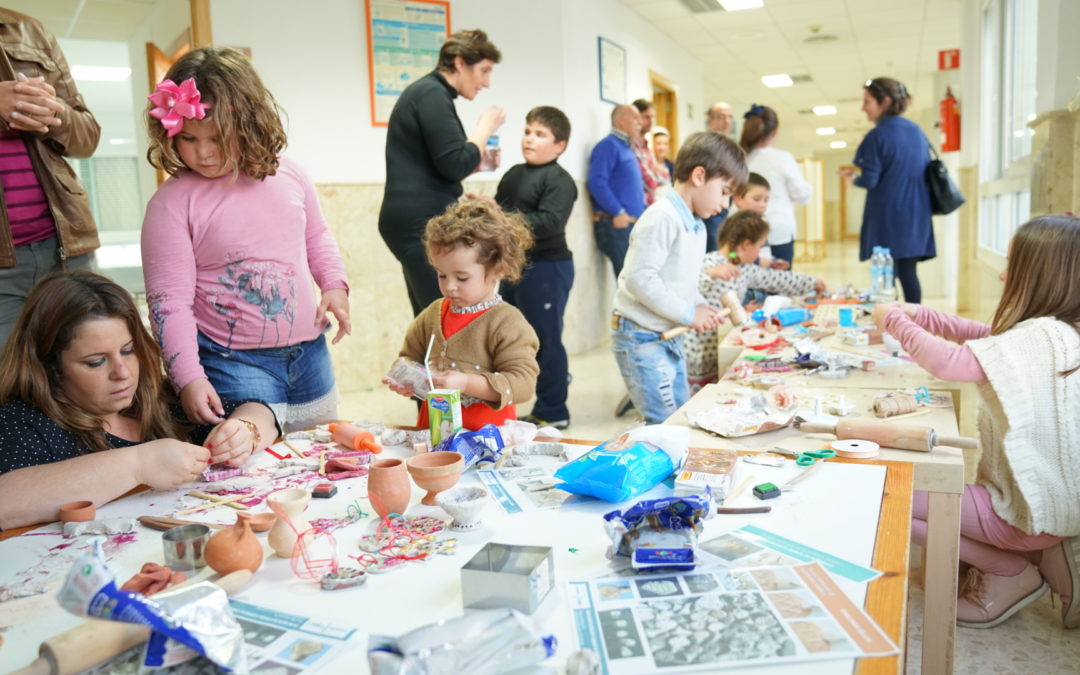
<point x="30" y="49"/>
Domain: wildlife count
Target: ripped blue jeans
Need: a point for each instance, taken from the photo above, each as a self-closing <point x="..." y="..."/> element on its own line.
<point x="654" y="370"/>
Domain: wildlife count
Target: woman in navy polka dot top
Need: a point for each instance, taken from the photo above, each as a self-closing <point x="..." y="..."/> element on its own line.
<point x="83" y="409"/>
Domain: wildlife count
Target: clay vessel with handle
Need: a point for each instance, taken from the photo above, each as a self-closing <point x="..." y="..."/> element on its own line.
<point x="234" y="548"/>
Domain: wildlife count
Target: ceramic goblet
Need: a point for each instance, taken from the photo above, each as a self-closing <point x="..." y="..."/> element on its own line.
<point x="435" y="472"/>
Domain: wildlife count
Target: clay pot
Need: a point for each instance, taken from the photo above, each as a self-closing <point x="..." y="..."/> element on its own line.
<point x="388" y="487"/>
<point x="77" y="512"/>
<point x="289" y="505"/>
<point x="261" y="522"/>
<point x="435" y="472"/>
<point x="234" y="548"/>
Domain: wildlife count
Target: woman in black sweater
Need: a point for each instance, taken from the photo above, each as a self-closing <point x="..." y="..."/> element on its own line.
<point x="428" y="154"/>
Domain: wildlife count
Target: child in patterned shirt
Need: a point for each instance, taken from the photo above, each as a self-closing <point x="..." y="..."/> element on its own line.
<point x="739" y="241"/>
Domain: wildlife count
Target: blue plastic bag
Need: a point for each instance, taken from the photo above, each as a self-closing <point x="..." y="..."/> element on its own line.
<point x="627" y="466"/>
<point x="477" y="447"/>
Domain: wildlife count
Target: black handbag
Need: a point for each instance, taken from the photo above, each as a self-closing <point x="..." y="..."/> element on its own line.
<point x="945" y="197"/>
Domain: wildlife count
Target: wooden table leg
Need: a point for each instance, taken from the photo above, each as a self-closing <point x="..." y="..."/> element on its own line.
<point x="940" y="574"/>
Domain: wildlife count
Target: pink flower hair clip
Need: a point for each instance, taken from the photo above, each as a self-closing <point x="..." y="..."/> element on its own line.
<point x="174" y="103"/>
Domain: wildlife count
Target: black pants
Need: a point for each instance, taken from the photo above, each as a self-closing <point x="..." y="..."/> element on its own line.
<point x="904" y="269"/>
<point x="541" y="295"/>
<point x="420" y="278"/>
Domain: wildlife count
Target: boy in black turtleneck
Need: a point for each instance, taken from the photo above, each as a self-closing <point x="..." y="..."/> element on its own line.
<point x="544" y="193"/>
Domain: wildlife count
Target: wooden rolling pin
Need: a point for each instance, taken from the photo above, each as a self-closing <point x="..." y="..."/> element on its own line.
<point x="99" y="640"/>
<point x="887" y="435"/>
<point x="163" y="523"/>
<point x="679" y="330"/>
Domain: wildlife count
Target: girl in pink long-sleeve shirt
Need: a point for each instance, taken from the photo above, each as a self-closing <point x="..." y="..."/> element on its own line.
<point x="1021" y="518"/>
<point x="230" y="244"/>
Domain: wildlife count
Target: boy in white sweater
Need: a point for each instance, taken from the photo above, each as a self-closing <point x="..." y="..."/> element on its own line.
<point x="657" y="288"/>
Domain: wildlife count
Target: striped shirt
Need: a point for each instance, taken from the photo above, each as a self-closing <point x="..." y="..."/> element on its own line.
<point x="28" y="210"/>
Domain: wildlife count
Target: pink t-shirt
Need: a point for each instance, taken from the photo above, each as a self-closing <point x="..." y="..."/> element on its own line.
<point x="234" y="259"/>
<point x="955" y="362"/>
<point x="27" y="208"/>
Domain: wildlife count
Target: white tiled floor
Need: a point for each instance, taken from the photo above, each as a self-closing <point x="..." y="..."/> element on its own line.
<point x="1031" y="642"/>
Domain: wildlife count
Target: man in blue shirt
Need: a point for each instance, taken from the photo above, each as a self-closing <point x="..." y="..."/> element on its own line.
<point x="616" y="186"/>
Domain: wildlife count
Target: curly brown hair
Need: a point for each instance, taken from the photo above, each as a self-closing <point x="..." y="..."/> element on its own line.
<point x="247" y="117"/>
<point x="742" y="226"/>
<point x="30" y="365"/>
<point x="500" y="239"/>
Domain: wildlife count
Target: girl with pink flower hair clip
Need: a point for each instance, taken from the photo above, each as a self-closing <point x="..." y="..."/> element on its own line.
<point x="230" y="243"/>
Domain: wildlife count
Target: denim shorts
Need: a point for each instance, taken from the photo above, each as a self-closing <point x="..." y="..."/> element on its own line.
<point x="297" y="381"/>
<point x="654" y="370"/>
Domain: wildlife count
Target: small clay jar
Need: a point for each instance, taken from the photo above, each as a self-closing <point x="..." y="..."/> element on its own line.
<point x="435" y="472"/>
<point x="289" y="505"/>
<point x="388" y="487"/>
<point x="234" y="548"/>
<point x="77" y="512"/>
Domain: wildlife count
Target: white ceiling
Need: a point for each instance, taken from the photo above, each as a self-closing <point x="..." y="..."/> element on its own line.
<point x="894" y="38"/>
<point x="113" y="20"/>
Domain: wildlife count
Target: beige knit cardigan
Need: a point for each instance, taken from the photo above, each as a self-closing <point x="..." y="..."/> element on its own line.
<point x="499" y="344"/>
<point x="1029" y="425"/>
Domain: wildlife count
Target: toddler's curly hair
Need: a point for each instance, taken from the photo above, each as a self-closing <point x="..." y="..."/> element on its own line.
<point x="500" y="239"/>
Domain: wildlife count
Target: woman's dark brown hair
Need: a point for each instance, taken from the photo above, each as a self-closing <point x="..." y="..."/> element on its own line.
<point x="758" y="124"/>
<point x="247" y="117"/>
<point x="886" y="87"/>
<point x="30" y="365"/>
<point x="473" y="46"/>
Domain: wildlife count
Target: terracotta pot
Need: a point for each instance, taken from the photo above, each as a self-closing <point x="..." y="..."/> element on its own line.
<point x="77" y="512"/>
<point x="289" y="505"/>
<point x="435" y="472"/>
<point x="388" y="487"/>
<point x="234" y="548"/>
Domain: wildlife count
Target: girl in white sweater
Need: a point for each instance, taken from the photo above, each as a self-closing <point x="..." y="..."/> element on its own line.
<point x="1025" y="503"/>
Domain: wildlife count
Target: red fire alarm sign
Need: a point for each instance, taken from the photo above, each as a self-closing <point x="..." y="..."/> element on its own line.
<point x="948" y="59"/>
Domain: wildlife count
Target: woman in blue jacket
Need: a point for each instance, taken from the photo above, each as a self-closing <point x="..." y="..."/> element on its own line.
<point x="892" y="159"/>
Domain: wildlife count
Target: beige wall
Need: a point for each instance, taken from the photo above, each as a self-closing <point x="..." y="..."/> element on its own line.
<point x="380" y="305"/>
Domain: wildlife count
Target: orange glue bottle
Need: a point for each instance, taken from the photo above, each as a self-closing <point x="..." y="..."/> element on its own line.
<point x="352" y="436"/>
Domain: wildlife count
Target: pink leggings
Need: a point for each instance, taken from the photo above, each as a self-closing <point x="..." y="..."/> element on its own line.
<point x="986" y="541"/>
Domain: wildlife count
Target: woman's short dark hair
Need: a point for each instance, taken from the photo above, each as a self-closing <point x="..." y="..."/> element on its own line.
<point x="473" y="46"/>
<point x="899" y="98"/>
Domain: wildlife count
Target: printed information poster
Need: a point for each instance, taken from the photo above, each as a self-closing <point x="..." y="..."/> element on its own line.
<point x="712" y="620"/>
<point x="404" y="37"/>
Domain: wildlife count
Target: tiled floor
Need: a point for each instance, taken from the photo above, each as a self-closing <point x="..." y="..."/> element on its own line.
<point x="1031" y="642"/>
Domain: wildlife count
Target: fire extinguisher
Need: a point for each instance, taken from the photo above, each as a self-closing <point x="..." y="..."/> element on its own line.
<point x="950" y="122"/>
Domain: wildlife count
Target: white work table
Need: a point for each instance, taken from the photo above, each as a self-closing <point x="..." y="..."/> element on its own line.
<point x="859" y="513"/>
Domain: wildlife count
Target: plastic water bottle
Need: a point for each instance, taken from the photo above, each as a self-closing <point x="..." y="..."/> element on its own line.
<point x="888" y="287"/>
<point x="876" y="265"/>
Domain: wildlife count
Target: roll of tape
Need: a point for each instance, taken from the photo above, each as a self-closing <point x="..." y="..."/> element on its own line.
<point x="856" y="449"/>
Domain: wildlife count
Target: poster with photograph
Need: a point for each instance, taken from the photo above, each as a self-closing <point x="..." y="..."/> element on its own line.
<point x="404" y="38"/>
<point x="751" y="546"/>
<point x="718" y="619"/>
<point x="527" y="488"/>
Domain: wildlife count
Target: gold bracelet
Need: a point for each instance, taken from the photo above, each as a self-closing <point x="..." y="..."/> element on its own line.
<point x="256" y="437"/>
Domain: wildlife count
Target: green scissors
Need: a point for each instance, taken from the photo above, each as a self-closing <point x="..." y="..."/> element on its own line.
<point x="809" y="457"/>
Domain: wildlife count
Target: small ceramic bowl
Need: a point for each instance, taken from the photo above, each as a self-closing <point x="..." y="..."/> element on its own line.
<point x="435" y="472"/>
<point x="464" y="505"/>
<point x="261" y="522"/>
<point x="77" y="512"/>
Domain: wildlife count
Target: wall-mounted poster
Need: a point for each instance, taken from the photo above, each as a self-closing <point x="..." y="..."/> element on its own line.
<point x="612" y="71"/>
<point x="403" y="40"/>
